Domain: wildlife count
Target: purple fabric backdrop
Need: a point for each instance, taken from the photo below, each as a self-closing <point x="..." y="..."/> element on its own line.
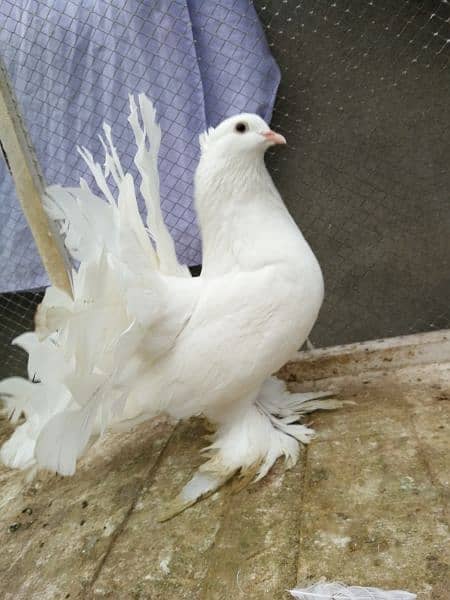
<point x="73" y="64"/>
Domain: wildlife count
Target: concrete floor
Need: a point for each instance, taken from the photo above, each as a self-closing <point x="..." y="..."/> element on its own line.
<point x="367" y="504"/>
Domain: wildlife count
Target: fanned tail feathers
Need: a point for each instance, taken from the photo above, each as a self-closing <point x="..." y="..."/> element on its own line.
<point x="80" y="343"/>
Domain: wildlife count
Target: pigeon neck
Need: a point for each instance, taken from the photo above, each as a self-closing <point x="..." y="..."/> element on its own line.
<point x="237" y="205"/>
<point x="223" y="183"/>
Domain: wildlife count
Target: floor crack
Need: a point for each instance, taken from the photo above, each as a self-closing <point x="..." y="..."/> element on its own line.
<point x="145" y="480"/>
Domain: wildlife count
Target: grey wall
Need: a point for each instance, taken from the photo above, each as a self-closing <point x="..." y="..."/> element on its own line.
<point x="365" y="105"/>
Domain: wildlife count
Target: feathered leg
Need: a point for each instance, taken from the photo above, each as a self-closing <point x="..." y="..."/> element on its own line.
<point x="250" y="438"/>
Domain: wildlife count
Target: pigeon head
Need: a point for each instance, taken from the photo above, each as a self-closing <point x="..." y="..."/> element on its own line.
<point x="239" y="135"/>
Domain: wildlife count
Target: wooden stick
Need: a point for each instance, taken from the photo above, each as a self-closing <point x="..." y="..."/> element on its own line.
<point x="29" y="184"/>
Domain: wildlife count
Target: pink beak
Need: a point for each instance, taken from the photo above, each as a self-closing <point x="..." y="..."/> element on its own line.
<point x="275" y="138"/>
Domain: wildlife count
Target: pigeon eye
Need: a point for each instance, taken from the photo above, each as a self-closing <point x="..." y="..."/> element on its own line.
<point x="241" y="127"/>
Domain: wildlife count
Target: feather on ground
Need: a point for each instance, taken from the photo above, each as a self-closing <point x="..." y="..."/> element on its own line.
<point x="338" y="591"/>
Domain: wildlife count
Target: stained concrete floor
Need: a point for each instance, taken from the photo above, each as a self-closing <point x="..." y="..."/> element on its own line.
<point x="367" y="504"/>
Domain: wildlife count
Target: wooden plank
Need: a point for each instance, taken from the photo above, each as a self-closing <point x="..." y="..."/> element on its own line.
<point x="22" y="164"/>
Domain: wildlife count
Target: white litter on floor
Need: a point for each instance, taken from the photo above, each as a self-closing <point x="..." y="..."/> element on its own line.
<point x="338" y="591"/>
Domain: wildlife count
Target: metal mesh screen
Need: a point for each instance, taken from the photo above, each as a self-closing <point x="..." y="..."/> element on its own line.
<point x="16" y="316"/>
<point x="363" y="102"/>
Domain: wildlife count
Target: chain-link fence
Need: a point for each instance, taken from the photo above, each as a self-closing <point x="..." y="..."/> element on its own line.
<point x="363" y="102"/>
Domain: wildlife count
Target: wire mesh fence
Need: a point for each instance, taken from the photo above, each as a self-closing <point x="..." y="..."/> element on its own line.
<point x="16" y="316"/>
<point x="363" y="102"/>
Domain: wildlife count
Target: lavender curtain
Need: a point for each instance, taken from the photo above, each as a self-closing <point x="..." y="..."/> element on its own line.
<point x="73" y="64"/>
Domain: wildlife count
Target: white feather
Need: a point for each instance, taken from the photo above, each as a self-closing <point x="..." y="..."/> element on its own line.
<point x="112" y="162"/>
<point x="16" y="393"/>
<point x="38" y="402"/>
<point x="338" y="591"/>
<point x="18" y="451"/>
<point x="63" y="439"/>
<point x="147" y="163"/>
<point x="204" y="138"/>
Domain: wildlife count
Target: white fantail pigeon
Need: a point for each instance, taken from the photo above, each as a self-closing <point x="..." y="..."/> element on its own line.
<point x="141" y="337"/>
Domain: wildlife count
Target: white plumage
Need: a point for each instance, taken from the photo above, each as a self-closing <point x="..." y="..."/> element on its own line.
<point x="141" y="337"/>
